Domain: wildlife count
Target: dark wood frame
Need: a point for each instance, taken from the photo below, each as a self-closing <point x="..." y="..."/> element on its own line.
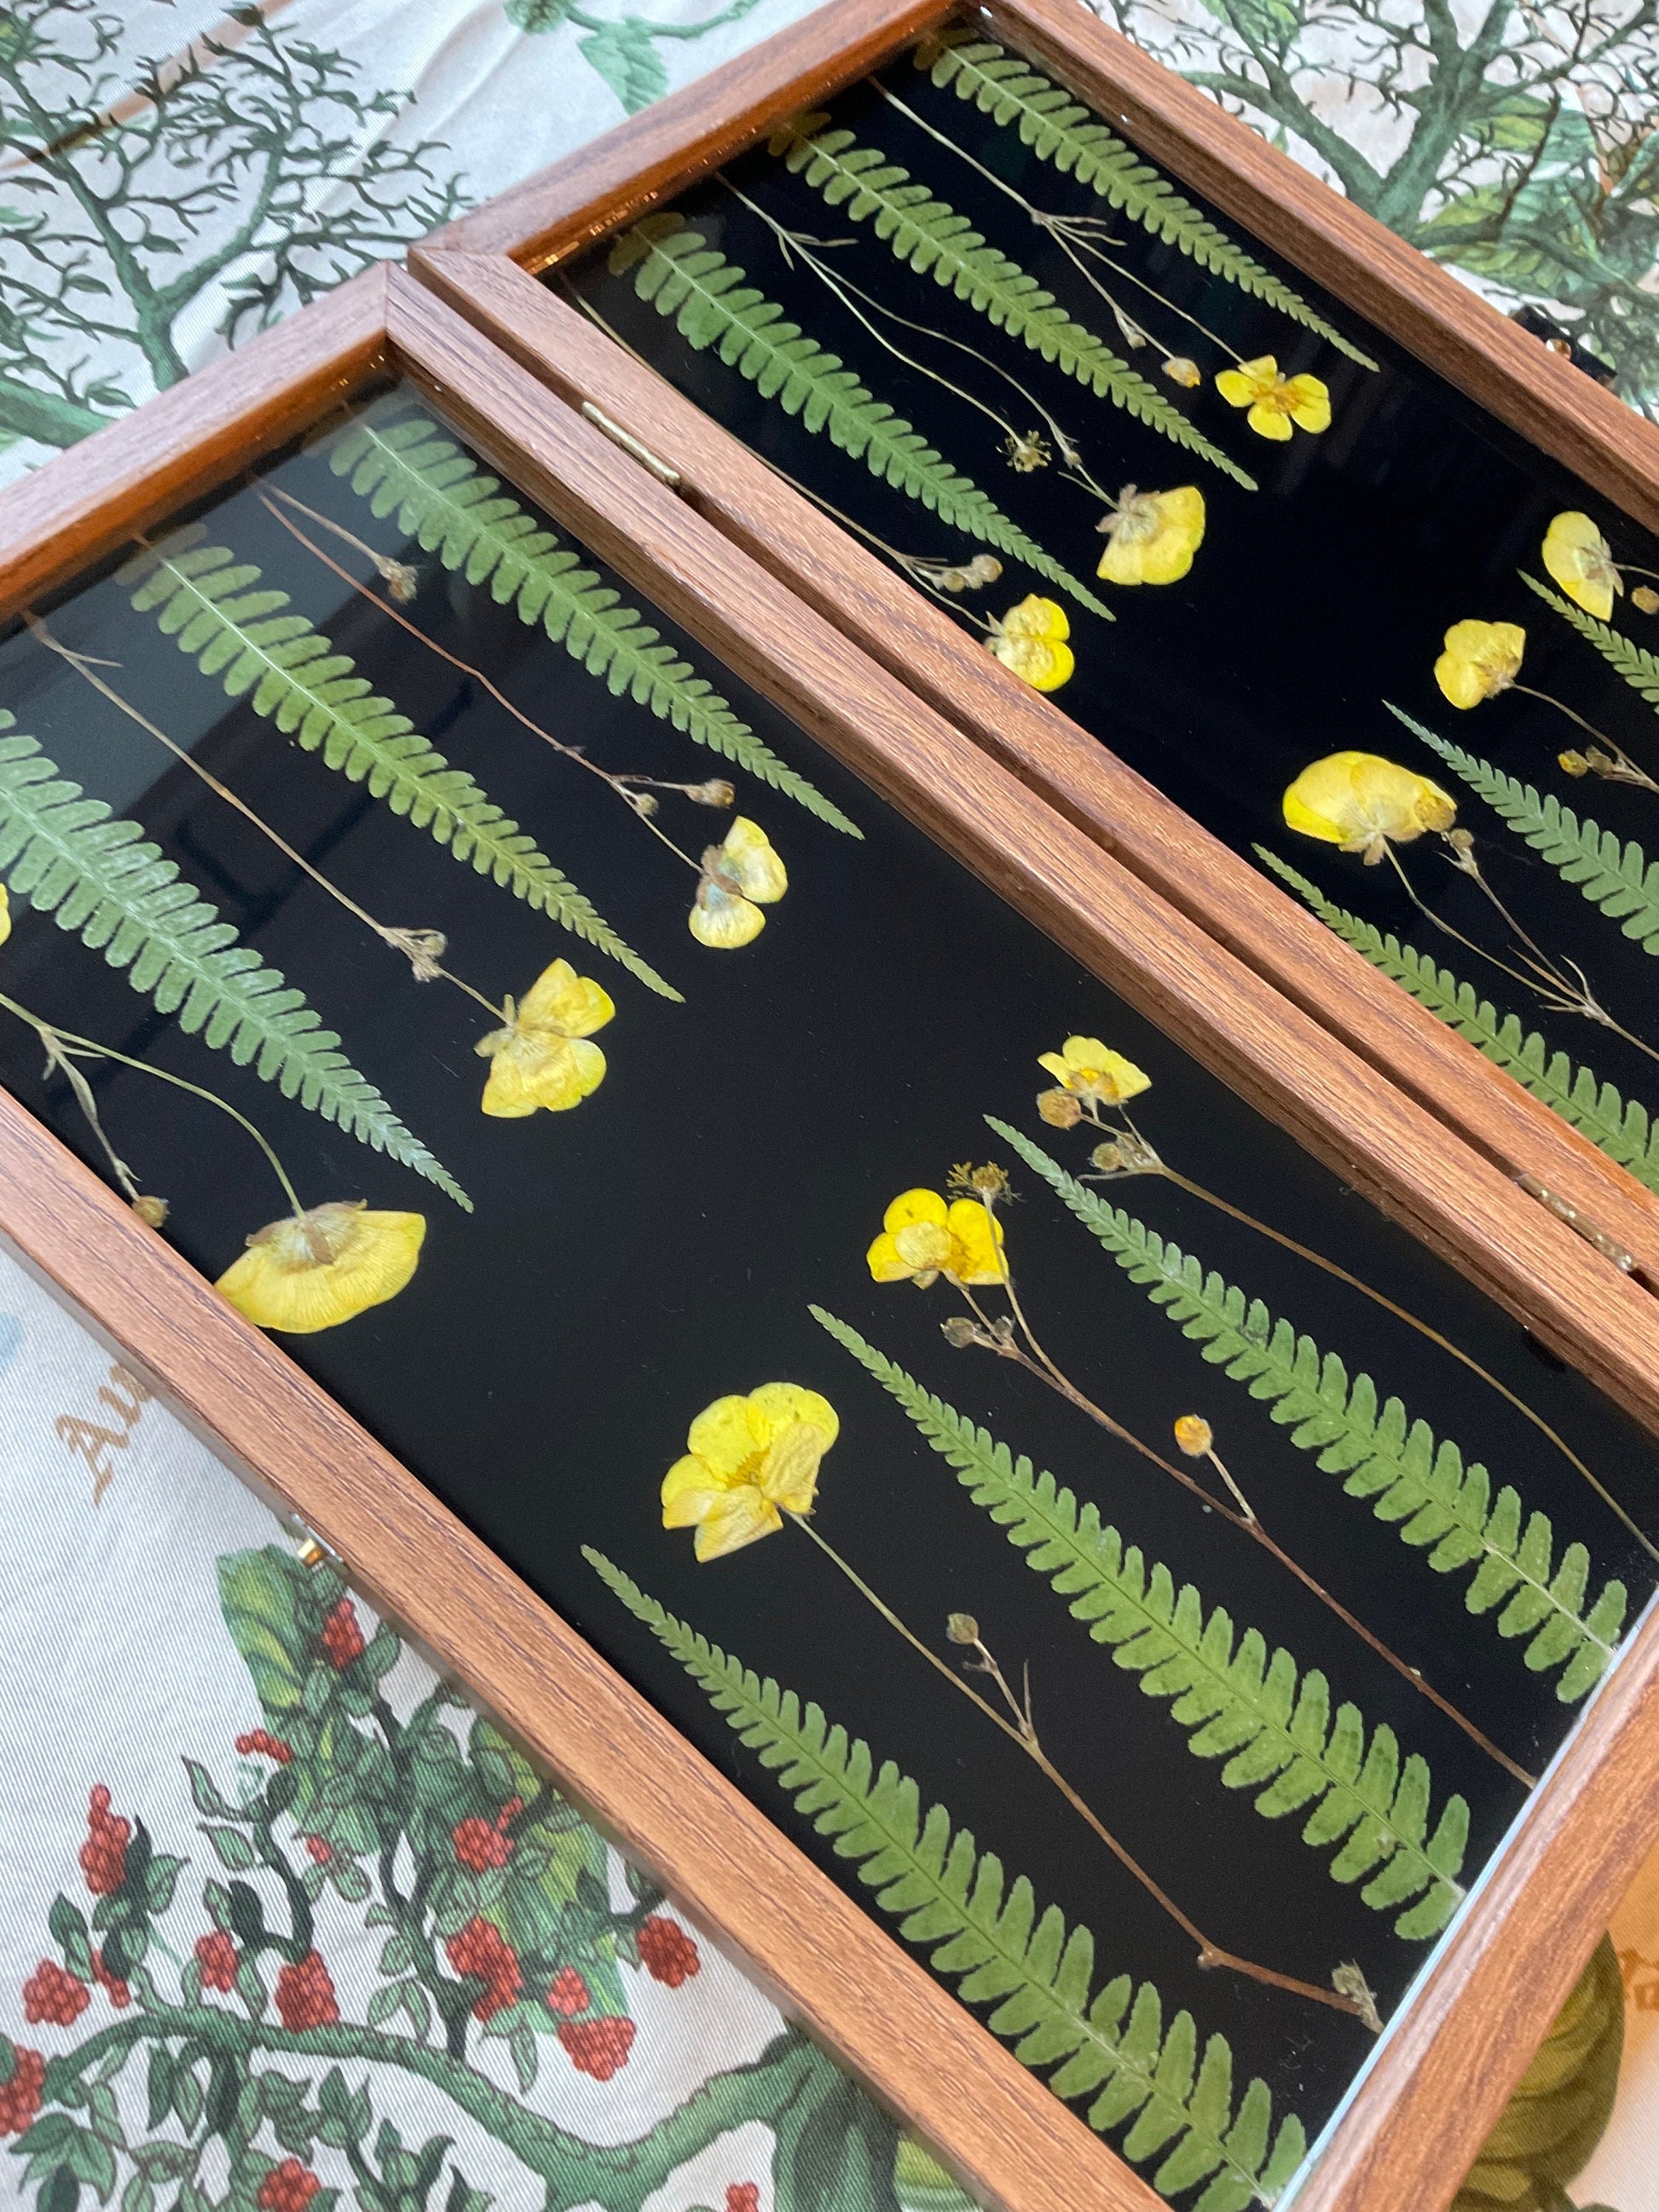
<point x="1438" y="2081"/>
<point x="482" y="264"/>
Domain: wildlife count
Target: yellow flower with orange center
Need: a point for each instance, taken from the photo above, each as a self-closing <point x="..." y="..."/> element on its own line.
<point x="1152" y="536"/>
<point x="739" y="876"/>
<point x="1364" y="804"/>
<point x="1480" y="660"/>
<point x="312" y="1271"/>
<point x="1275" y="402"/>
<point x="749" y="1461"/>
<point x="542" y="1059"/>
<point x="1030" y="639"/>
<point x="1581" y="560"/>
<point x="1089" y="1069"/>
<point x="922" y="1238"/>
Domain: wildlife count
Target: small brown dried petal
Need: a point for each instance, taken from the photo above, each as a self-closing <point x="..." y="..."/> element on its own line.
<point x="152" y="1212"/>
<point x="1573" y="763"/>
<point x="1194" y="1435"/>
<point x="401" y="579"/>
<point x="717" y="791"/>
<point x="1180" y="370"/>
<point x="1646" y="598"/>
<point x="961" y="1628"/>
<point x="1059" y="1109"/>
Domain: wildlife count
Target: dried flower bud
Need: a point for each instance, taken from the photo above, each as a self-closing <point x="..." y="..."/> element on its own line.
<point x="1348" y="1981"/>
<point x="1646" y="598"/>
<point x="960" y="1332"/>
<point x="990" y="1181"/>
<point x="401" y="579"/>
<point x="961" y="1628"/>
<point x="1061" y="1109"/>
<point x="643" y="803"/>
<point x="984" y="568"/>
<point x="1180" y="370"/>
<point x="717" y="791"/>
<point x="951" y="580"/>
<point x="152" y="1212"/>
<point x="1107" y="1157"/>
<point x="1461" y="840"/>
<point x="1193" y="1434"/>
<point x="1573" y="763"/>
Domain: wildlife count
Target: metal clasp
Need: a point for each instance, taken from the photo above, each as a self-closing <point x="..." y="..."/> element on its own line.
<point x="659" y="468"/>
<point x="1565" y="1210"/>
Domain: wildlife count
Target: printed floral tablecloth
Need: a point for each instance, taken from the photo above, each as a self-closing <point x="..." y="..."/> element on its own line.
<point x="284" y="1925"/>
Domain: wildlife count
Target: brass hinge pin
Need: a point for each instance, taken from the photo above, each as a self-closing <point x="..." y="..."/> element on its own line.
<point x="659" y="468"/>
<point x="1565" y="1210"/>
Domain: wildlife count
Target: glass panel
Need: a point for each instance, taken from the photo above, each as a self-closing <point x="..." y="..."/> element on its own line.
<point x="722" y="1176"/>
<point x="1322" y="551"/>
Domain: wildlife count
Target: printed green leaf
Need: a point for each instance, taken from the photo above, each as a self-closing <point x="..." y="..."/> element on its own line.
<point x="101" y="878"/>
<point x="214" y="607"/>
<point x="1269" y="1720"/>
<point x="405" y="466"/>
<point x="934" y="239"/>
<point x="956" y="1902"/>
<point x="682" y="276"/>
<point x="1624" y="1129"/>
<point x="1639" y="669"/>
<point x="1619" y="877"/>
<point x="1439" y="1506"/>
<point x="625" y="55"/>
<point x="260" y="1596"/>
<point x="1057" y="130"/>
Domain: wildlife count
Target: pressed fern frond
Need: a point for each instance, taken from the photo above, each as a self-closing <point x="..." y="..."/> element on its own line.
<point x="407" y="467"/>
<point x="935" y="240"/>
<point x="1057" y="130"/>
<point x="1619" y="877"/>
<point x="102" y="879"/>
<point x="955" y="1901"/>
<point x="212" y="605"/>
<point x="1624" y="1129"/>
<point x="682" y="276"/>
<point x="1440" y="1507"/>
<point x="1271" y="1721"/>
<point x="1639" y="669"/>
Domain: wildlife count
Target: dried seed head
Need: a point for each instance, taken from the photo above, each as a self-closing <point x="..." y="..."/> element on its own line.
<point x="1193" y="1434"/>
<point x="1059" y="1109"/>
<point x="717" y="791"/>
<point x="1027" y="451"/>
<point x="961" y="1628"/>
<point x="1180" y="370"/>
<point x="959" y="1331"/>
<point x="1646" y="598"/>
<point x="1461" y="840"/>
<point x="1573" y="763"/>
<point x="643" y="803"/>
<point x="990" y="1182"/>
<point x="152" y="1212"/>
<point x="401" y="579"/>
<point x="984" y="568"/>
<point x="1107" y="1157"/>
<point x="1348" y="1981"/>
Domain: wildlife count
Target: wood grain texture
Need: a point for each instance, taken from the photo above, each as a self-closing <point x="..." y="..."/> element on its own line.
<point x="914" y="639"/>
<point x="879" y="2012"/>
<point x="615" y="178"/>
<point x="180" y="444"/>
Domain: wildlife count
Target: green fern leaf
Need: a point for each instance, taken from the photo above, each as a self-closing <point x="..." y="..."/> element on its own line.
<point x="102" y="879"/>
<point x="211" y="605"/>
<point x="1057" y="130"/>
<point x="1624" y="1131"/>
<point x="1639" y="669"/>
<point x="681" y="276"/>
<point x="934" y="239"/>
<point x="988" y="1934"/>
<point x="1616" y="876"/>
<point x="1269" y="1721"/>
<point x="407" y="467"/>
<point x="1437" y="1505"/>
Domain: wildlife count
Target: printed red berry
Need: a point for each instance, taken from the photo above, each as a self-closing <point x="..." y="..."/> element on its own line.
<point x="104" y="1854"/>
<point x="217" y="1956"/>
<point x="597" y="2047"/>
<point x="119" y="1995"/>
<point x="54" y="1996"/>
<point x="288" y="2187"/>
<point x="743" y="2196"/>
<point x="20" y="2097"/>
<point x="342" y="1639"/>
<point x="667" y="1951"/>
<point x="304" y="1995"/>
<point x="320" y="1850"/>
<point x="479" y="1846"/>
<point x="482" y="1951"/>
<point x="569" y="1993"/>
<point x="257" y="1743"/>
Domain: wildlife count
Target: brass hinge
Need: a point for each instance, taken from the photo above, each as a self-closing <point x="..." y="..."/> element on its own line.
<point x="663" y="471"/>
<point x="1565" y="1210"/>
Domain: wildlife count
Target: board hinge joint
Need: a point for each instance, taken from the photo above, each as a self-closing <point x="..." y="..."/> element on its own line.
<point x="664" y="471"/>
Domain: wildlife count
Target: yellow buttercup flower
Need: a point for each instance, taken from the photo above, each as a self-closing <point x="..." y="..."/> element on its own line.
<point x="542" y="1058"/>
<point x="1481" y="659"/>
<point x="1089" y="1069"/>
<point x="922" y="1238"/>
<point x="5" y="914"/>
<point x="1363" y="804"/>
<point x="312" y="1271"/>
<point x="739" y="876"/>
<point x="1581" y="560"/>
<point x="1030" y="639"/>
<point x="1275" y="401"/>
<point x="1152" y="536"/>
<point x="749" y="1461"/>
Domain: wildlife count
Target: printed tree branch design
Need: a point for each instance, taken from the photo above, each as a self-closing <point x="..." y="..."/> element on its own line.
<point x="499" y="1928"/>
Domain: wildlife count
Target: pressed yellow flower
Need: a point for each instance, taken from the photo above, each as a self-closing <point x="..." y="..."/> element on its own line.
<point x="1180" y="370"/>
<point x="542" y="1058"/>
<point x="1089" y="1069"/>
<point x="1194" y="1435"/>
<point x="1481" y="659"/>
<point x="1152" y="536"/>
<point x="1275" y="401"/>
<point x="749" y="1461"/>
<point x="1030" y="639"/>
<point x="923" y="1238"/>
<point x="1363" y="803"/>
<point x="312" y="1271"/>
<point x="739" y="876"/>
<point x="1581" y="560"/>
<point x="5" y="914"/>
